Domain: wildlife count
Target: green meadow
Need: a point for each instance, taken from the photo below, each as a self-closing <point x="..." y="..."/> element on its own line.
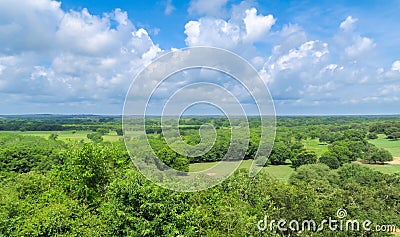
<point x="393" y="146"/>
<point x="282" y="172"/>
<point x="67" y="135"/>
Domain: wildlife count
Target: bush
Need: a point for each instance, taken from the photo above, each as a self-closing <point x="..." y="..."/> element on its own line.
<point x="330" y="160"/>
<point x="372" y="136"/>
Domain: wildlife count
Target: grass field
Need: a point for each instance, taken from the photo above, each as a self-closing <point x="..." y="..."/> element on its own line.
<point x="315" y="146"/>
<point x="277" y="171"/>
<point x="67" y="135"/>
<point x="280" y="172"/>
<point x="387" y="169"/>
<point x="392" y="146"/>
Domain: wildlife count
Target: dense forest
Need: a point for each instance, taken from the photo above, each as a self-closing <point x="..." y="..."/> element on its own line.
<point x="88" y="186"/>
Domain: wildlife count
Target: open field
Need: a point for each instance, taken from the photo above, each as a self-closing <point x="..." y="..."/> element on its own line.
<point x="315" y="146"/>
<point x="95" y="183"/>
<point x="277" y="171"/>
<point x="67" y="135"/>
<point x="393" y="146"/>
<point x="387" y="169"/>
<point x="280" y="172"/>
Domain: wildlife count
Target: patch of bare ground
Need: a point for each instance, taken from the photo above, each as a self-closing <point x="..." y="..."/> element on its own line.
<point x="395" y="161"/>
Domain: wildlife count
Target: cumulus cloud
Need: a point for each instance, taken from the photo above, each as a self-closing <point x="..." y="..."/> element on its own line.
<point x="28" y="28"/>
<point x="213" y="32"/>
<point x="310" y="73"/>
<point x="75" y="56"/>
<point x="360" y="46"/>
<point x="290" y="73"/>
<point x="257" y="26"/>
<point x="396" y="66"/>
<point x="78" y="59"/>
<point x="300" y="71"/>
<point x="244" y="27"/>
<point x="356" y="46"/>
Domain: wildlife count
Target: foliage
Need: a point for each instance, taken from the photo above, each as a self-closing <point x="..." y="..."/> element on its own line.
<point x="280" y="153"/>
<point x="372" y="135"/>
<point x="330" y="159"/>
<point x="304" y="158"/>
<point x="96" y="137"/>
<point x="50" y="188"/>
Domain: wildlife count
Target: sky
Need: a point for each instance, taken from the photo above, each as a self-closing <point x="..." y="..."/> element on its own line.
<point x="316" y="57"/>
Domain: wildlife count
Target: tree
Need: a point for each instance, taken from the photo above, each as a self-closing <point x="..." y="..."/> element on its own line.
<point x="391" y="130"/>
<point x="393" y="135"/>
<point x="119" y="132"/>
<point x="330" y="137"/>
<point x="173" y="159"/>
<point x="330" y="159"/>
<point x="312" y="172"/>
<point x="372" y="136"/>
<point x="95" y="137"/>
<point x="303" y="158"/>
<point x="376" y="154"/>
<point x="280" y="153"/>
<point x="354" y="134"/>
<point x="103" y="131"/>
<point x="356" y="148"/>
<point x="341" y="151"/>
<point x="53" y="136"/>
<point x="87" y="171"/>
<point x="384" y="155"/>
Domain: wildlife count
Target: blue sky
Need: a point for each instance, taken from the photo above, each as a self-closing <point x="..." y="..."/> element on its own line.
<point x="316" y="57"/>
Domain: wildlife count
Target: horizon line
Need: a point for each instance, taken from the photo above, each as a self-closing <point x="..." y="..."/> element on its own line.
<point x="189" y="115"/>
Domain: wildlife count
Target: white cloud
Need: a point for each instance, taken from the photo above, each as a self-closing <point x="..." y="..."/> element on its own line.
<point x="307" y="73"/>
<point x="309" y="52"/>
<point x="289" y="74"/>
<point x="257" y="26"/>
<point x="348" y="24"/>
<point x="31" y="27"/>
<point x="212" y="32"/>
<point x="396" y="66"/>
<point x="75" y="58"/>
<point x="360" y="46"/>
<point x="351" y="45"/>
<point x="289" y="37"/>
<point x="244" y="27"/>
<point x="192" y="30"/>
<point x="60" y="57"/>
<point x="390" y="90"/>
<point x="299" y="70"/>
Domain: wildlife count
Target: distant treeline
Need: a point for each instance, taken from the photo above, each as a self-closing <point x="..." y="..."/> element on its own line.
<point x="388" y="124"/>
<point x="58" y="122"/>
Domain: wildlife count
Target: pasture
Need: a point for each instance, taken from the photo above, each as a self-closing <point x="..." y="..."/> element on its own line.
<point x="315" y="146"/>
<point x="282" y="172"/>
<point x="393" y="146"/>
<point x="67" y="136"/>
